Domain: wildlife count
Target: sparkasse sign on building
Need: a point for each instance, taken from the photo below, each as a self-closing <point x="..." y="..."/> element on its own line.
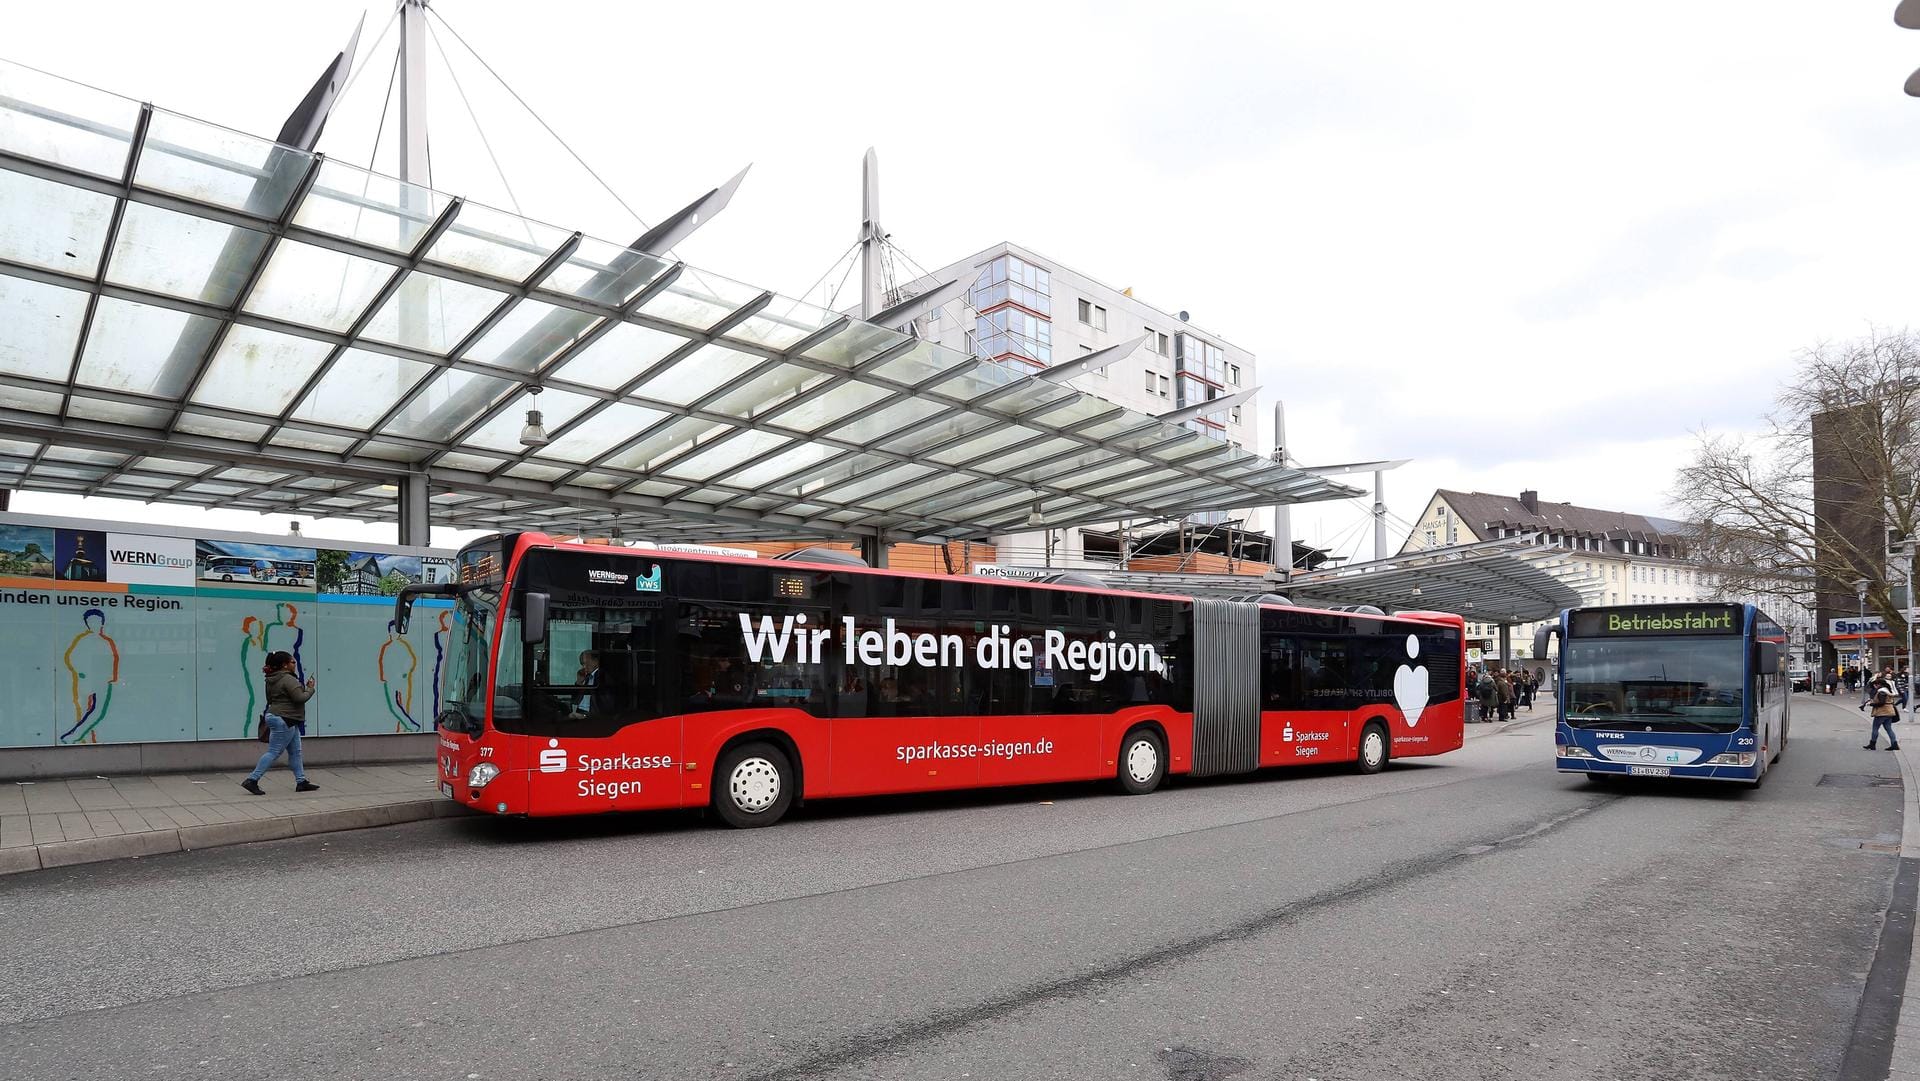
<point x="1858" y="627"/>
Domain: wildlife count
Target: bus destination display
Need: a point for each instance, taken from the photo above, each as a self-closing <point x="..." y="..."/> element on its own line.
<point x="1673" y="619"/>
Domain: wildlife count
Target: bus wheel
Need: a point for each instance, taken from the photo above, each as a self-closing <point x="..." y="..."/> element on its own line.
<point x="753" y="785"/>
<point x="1143" y="762"/>
<point x="1373" y="748"/>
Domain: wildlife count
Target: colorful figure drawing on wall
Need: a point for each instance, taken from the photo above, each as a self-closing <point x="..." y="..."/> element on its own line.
<point x="93" y="663"/>
<point x="440" y="656"/>
<point x="258" y="639"/>
<point x="253" y="640"/>
<point x="396" y="679"/>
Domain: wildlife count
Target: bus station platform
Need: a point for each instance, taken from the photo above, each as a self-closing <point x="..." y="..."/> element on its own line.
<point x="55" y="823"/>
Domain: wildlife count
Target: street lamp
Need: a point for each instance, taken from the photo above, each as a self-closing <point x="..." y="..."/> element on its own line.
<point x="1860" y="635"/>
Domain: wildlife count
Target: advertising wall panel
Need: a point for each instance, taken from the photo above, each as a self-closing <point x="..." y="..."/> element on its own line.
<point x="110" y="635"/>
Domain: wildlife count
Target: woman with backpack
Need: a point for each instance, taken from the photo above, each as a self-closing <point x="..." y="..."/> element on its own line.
<point x="1885" y="714"/>
<point x="285" y="716"/>
<point x="1483" y="690"/>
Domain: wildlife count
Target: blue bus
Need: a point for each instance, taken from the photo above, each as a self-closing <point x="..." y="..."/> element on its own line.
<point x="1672" y="690"/>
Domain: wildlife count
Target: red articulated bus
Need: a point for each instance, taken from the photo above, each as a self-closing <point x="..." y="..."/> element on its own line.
<point x="581" y="678"/>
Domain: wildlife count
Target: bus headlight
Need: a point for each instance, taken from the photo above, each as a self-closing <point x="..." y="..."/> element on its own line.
<point x="482" y="775"/>
<point x="1732" y="758"/>
<point x="1571" y="750"/>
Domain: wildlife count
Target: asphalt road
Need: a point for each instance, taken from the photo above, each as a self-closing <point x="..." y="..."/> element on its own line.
<point x="1475" y="916"/>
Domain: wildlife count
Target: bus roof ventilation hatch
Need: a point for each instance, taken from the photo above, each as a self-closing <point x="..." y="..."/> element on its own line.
<point x="1071" y="578"/>
<point x="829" y="556"/>
<point x="1357" y="609"/>
<point x="1260" y="598"/>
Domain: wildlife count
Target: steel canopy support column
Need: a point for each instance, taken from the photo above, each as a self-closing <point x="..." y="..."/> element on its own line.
<point x="1506" y="645"/>
<point x="870" y="236"/>
<point x="1380" y="521"/>
<point x="1282" y="554"/>
<point x="415" y="517"/>
<point x="874" y="550"/>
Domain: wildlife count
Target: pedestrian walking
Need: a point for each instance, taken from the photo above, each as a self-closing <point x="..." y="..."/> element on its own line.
<point x="1503" y="688"/>
<point x="1885" y="681"/>
<point x="1527" y="687"/>
<point x="1833" y="679"/>
<point x="1885" y="715"/>
<point x="284" y="718"/>
<point x="1484" y="691"/>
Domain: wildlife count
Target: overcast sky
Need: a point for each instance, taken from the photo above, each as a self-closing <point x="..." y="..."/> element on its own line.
<point x="1526" y="244"/>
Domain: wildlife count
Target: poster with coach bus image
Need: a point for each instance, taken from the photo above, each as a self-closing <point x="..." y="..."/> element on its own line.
<point x="266" y="565"/>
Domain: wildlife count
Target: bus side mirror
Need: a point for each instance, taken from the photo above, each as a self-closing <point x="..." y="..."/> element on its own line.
<point x="1541" y="637"/>
<point x="402" y="612"/>
<point x="533" y="618"/>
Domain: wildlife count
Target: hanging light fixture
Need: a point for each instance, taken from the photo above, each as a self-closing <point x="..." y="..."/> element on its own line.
<point x="1034" y="517"/>
<point x="535" y="433"/>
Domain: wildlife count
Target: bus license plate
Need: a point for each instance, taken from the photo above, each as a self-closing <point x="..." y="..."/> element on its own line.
<point x="1649" y="771"/>
<point x="446" y="789"/>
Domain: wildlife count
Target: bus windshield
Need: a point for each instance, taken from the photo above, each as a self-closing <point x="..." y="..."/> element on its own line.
<point x="1677" y="683"/>
<point x="471" y="638"/>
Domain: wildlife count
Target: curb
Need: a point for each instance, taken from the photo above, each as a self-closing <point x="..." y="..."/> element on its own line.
<point x="220" y="834"/>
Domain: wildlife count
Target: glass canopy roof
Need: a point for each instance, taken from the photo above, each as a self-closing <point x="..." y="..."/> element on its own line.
<point x="193" y="315"/>
<point x="1511" y="580"/>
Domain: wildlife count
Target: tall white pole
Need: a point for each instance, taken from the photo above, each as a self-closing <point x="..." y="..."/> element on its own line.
<point x="1282" y="512"/>
<point x="415" y="203"/>
<point x="413" y="91"/>
<point x="870" y="235"/>
<point x="1379" y="514"/>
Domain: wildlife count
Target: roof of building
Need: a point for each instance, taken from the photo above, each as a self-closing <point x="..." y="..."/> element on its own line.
<point x="1483" y="508"/>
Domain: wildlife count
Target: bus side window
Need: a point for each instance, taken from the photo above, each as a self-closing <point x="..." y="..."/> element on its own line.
<point x="1279" y="673"/>
<point x="1324" y="679"/>
<point x="713" y="668"/>
<point x="999" y="690"/>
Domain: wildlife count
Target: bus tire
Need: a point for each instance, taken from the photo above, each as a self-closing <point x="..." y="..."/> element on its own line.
<point x="1372" y="754"/>
<point x="1143" y="762"/>
<point x="753" y="785"/>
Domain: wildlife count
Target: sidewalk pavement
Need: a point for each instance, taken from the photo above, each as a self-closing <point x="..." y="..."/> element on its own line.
<point x="1543" y="710"/>
<point x="54" y="823"/>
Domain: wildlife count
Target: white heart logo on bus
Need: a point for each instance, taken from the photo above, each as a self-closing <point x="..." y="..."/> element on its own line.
<point x="1410" y="689"/>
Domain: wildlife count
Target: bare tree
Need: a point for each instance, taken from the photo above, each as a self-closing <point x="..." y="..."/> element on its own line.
<point x="1763" y="528"/>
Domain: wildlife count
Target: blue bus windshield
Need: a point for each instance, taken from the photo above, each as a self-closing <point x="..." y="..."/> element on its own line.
<point x="1675" y="683"/>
